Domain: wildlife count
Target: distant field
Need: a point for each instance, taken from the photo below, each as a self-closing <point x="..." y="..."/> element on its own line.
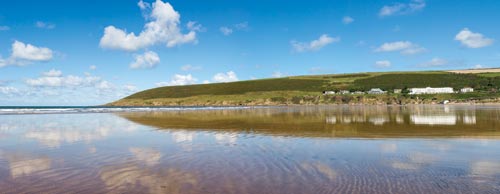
<point x="485" y="70"/>
<point x="303" y="88"/>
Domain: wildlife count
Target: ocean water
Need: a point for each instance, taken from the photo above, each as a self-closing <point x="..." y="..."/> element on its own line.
<point x="316" y="149"/>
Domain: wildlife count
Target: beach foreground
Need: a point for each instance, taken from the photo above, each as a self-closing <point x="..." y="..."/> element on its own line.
<point x="308" y="149"/>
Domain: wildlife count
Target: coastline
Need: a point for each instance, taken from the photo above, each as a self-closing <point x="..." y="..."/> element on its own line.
<point x="307" y="101"/>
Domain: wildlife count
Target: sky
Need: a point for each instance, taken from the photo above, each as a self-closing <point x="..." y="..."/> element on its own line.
<point x="90" y="52"/>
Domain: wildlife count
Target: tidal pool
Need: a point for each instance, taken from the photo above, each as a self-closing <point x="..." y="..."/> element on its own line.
<point x="320" y="149"/>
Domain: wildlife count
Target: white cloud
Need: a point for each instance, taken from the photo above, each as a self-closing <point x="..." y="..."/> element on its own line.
<point x="54" y="78"/>
<point x="65" y="90"/>
<point x="4" y="28"/>
<point x="189" y="67"/>
<point x="147" y="60"/>
<point x="103" y="85"/>
<point x="228" y="30"/>
<point x="225" y="30"/>
<point x="229" y="76"/>
<point x="45" y="25"/>
<point x="347" y="20"/>
<point x="52" y="73"/>
<point x="23" y="54"/>
<point x="473" y="40"/>
<point x="278" y="74"/>
<point x="402" y="8"/>
<point x="130" y="88"/>
<point x="92" y="67"/>
<point x="7" y="90"/>
<point x="29" y="52"/>
<point x="383" y="64"/>
<point x="179" y="80"/>
<point x="435" y="62"/>
<point x="163" y="28"/>
<point x="477" y="66"/>
<point x="314" y="45"/>
<point x="195" y="26"/>
<point x="143" y="5"/>
<point x="404" y="47"/>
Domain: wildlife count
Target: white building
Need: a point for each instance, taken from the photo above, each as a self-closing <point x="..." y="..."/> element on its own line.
<point x="328" y="92"/>
<point x="467" y="89"/>
<point x="429" y="90"/>
<point x="344" y="92"/>
<point x="376" y="91"/>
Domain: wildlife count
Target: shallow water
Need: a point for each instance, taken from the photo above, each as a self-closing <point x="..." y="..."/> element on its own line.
<point x="337" y="149"/>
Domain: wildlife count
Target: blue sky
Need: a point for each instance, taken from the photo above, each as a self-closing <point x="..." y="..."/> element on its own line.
<point x="83" y="52"/>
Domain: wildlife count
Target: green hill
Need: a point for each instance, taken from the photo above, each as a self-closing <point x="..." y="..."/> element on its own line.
<point x="308" y="89"/>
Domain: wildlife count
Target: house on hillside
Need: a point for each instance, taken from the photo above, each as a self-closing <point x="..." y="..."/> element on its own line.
<point x="430" y="90"/>
<point x="397" y="91"/>
<point x="376" y="91"/>
<point x="344" y="92"/>
<point x="467" y="90"/>
<point x="328" y="92"/>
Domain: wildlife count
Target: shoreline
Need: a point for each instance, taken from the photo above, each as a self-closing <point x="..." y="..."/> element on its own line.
<point x="338" y="100"/>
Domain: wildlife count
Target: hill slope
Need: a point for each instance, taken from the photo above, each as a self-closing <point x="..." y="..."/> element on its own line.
<point x="307" y="89"/>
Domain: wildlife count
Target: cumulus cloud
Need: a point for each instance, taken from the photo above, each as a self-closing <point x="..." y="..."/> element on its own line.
<point x="23" y="54"/>
<point x="347" y="20"/>
<point x="473" y="40"/>
<point x="179" y="80"/>
<point x="189" y="67"/>
<point x="44" y="25"/>
<point x="402" y="8"/>
<point x="228" y="30"/>
<point x="404" y="47"/>
<point x="435" y="62"/>
<point x="55" y="79"/>
<point x="4" y="28"/>
<point x="147" y="60"/>
<point x="229" y="76"/>
<point x="314" y="45"/>
<point x="55" y="87"/>
<point x="383" y="64"/>
<point x="163" y="27"/>
<point x="29" y="52"/>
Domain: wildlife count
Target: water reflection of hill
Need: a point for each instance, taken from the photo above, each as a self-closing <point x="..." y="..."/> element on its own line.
<point x="336" y="121"/>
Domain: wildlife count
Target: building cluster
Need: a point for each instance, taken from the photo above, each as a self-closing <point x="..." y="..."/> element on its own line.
<point x="412" y="91"/>
<point x="344" y="92"/>
<point x="429" y="90"/>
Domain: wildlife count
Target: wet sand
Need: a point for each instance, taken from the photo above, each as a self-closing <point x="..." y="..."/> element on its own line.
<point x="342" y="149"/>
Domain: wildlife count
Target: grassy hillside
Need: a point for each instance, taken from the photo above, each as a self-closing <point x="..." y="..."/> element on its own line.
<point x="303" y="89"/>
